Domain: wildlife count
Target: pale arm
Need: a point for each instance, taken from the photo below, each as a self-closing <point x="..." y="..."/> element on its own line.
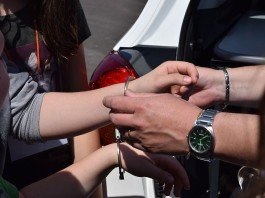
<point x="75" y="79"/>
<point x="69" y="114"/>
<point x="80" y="179"/>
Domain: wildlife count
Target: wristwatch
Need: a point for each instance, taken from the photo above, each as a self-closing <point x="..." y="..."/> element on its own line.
<point x="201" y="138"/>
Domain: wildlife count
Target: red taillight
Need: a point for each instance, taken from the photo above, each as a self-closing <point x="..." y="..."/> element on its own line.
<point x="112" y="70"/>
<point x="117" y="75"/>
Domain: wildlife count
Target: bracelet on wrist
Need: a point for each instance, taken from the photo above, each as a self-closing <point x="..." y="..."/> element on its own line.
<point x="227" y="89"/>
<point x="126" y="85"/>
<point x="118" y="135"/>
<point x="118" y="141"/>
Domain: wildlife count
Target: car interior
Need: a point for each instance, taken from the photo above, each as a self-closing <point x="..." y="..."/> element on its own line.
<point x="229" y="33"/>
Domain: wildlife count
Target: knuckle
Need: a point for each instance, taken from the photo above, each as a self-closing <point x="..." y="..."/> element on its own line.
<point x="110" y="102"/>
<point x="113" y="118"/>
<point x="137" y="124"/>
<point x="169" y="62"/>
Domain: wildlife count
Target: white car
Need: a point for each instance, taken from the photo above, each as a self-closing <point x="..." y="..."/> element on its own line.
<point x="210" y="33"/>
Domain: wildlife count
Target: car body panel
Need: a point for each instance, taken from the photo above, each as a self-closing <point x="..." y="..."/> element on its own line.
<point x="154" y="27"/>
<point x="152" y="35"/>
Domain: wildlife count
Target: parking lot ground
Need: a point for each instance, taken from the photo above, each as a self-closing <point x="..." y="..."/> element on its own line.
<point x="108" y="20"/>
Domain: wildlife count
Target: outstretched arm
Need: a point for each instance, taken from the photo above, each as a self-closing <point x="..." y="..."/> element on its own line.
<point x="69" y="114"/>
<point x="80" y="179"/>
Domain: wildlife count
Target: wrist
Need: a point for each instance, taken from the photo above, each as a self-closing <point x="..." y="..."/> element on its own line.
<point x="220" y="87"/>
<point x="126" y="85"/>
<point x="201" y="138"/>
<point x="111" y="151"/>
<point x="190" y="124"/>
<point x="225" y="97"/>
<point x="133" y="85"/>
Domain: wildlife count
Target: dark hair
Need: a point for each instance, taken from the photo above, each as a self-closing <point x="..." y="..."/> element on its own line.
<point x="56" y="20"/>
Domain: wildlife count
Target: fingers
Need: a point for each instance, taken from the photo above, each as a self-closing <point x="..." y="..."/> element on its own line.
<point x="179" y="79"/>
<point x="136" y="144"/>
<point x="177" y="187"/>
<point x="173" y="167"/>
<point x="162" y="177"/>
<point x="184" y="89"/>
<point x="183" y="68"/>
<point x="122" y="119"/>
<point x="142" y="165"/>
<point x="132" y="135"/>
<point x="190" y="69"/>
<point x="182" y="176"/>
<point x="120" y="103"/>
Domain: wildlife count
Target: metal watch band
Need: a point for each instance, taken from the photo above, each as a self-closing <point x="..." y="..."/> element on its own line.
<point x="206" y="117"/>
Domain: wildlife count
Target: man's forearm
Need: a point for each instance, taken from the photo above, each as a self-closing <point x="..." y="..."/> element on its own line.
<point x="247" y="85"/>
<point x="237" y="138"/>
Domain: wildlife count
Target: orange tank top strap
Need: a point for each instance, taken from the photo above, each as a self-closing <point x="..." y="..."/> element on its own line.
<point x="37" y="45"/>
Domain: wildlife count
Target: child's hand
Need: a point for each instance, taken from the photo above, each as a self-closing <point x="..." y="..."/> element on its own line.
<point x="170" y="76"/>
<point x="163" y="168"/>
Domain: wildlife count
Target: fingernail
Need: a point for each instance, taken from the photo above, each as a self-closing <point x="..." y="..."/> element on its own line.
<point x="187" y="79"/>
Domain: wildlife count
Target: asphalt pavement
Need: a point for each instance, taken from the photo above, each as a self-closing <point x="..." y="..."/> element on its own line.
<point x="108" y="21"/>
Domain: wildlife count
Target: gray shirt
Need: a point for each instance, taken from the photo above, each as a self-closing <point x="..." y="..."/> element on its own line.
<point x="24" y="107"/>
<point x="4" y="129"/>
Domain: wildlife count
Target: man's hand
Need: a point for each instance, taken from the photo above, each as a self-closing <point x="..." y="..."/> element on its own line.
<point x="156" y="123"/>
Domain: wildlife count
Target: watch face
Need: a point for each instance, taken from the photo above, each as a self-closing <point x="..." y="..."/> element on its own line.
<point x="200" y="139"/>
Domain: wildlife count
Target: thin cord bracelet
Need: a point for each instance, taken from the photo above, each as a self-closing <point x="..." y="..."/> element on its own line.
<point x="118" y="134"/>
<point x="118" y="141"/>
